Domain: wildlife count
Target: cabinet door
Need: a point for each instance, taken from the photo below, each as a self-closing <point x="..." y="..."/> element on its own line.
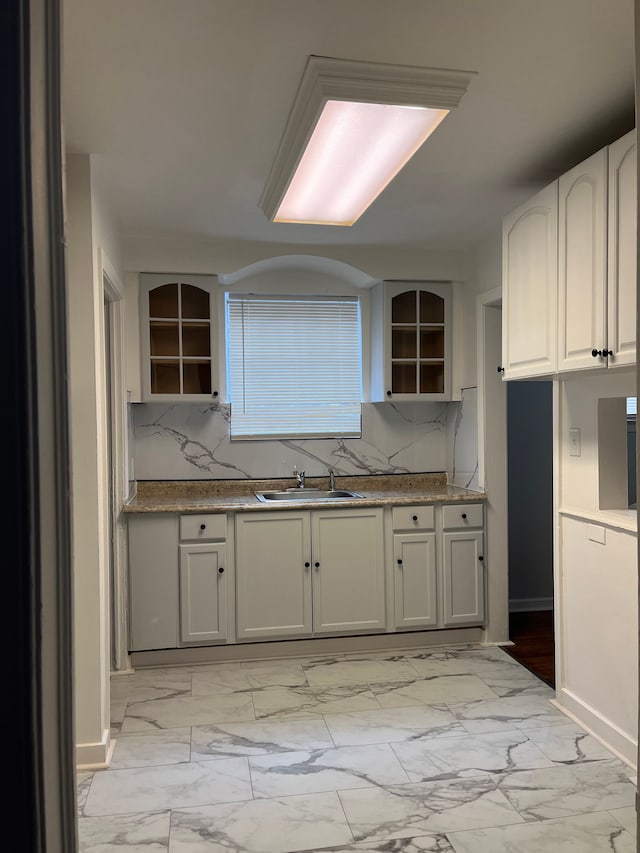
<point x="273" y="574"/>
<point x="411" y="341"/>
<point x="529" y="287"/>
<point x="178" y="328"/>
<point x="414" y="556"/>
<point x="153" y="582"/>
<point x="348" y="571"/>
<point x="203" y="613"/>
<point x="463" y="578"/>
<point x="582" y="264"/>
<point x="621" y="281"/>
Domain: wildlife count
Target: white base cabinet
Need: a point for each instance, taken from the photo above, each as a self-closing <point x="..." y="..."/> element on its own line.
<point x="301" y="574"/>
<point x="203" y="592"/>
<point x="273" y="575"/>
<point x="463" y="578"/>
<point x="295" y="573"/>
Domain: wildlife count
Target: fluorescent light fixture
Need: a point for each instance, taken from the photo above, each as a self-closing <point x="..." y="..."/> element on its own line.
<point x="352" y="128"/>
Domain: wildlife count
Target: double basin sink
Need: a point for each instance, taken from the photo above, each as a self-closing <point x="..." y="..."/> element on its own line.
<point x="297" y="495"/>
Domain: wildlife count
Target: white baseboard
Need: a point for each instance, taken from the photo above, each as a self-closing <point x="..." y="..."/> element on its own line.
<point x="522" y="605"/>
<point x="602" y="729"/>
<point x="95" y="756"/>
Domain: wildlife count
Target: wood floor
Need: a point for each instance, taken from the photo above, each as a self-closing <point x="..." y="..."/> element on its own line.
<point x="532" y="636"/>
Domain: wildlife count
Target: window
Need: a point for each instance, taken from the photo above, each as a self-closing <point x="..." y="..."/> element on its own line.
<point x="294" y="366"/>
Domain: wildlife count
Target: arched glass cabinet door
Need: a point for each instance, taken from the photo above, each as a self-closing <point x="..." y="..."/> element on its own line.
<point x="179" y="332"/>
<point x="418" y="343"/>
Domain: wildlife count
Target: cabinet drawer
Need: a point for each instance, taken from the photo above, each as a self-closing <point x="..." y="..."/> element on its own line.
<point x="461" y="516"/>
<point x="203" y="527"/>
<point x="413" y="517"/>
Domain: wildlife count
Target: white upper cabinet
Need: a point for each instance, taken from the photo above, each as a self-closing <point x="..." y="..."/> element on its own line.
<point x="178" y="335"/>
<point x="411" y="341"/>
<point x="621" y="274"/>
<point x="569" y="270"/>
<point x="529" y="296"/>
<point x="582" y="264"/>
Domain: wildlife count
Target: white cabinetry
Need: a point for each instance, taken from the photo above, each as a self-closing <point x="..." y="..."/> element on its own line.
<point x="309" y="573"/>
<point x="582" y="264"/>
<point x="411" y="341"/>
<point x="203" y="579"/>
<point x="569" y="270"/>
<point x="178" y="337"/>
<point x="273" y="574"/>
<point x="530" y="286"/>
<point x="463" y="564"/>
<point x="414" y="567"/>
<point x="622" y="250"/>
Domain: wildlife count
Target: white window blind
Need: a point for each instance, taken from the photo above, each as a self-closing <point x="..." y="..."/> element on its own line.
<point x="294" y="366"/>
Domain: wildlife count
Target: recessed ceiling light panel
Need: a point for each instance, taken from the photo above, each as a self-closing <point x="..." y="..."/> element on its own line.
<point x="352" y="127"/>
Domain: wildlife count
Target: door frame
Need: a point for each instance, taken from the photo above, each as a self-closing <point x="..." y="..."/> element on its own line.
<point x="114" y="295"/>
<point x="496" y="546"/>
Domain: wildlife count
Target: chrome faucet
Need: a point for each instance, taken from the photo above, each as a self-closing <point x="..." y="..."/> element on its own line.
<point x="332" y="479"/>
<point x="299" y="475"/>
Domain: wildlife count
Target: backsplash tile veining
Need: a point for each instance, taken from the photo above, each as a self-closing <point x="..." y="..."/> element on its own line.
<point x="462" y="441"/>
<point x="182" y="442"/>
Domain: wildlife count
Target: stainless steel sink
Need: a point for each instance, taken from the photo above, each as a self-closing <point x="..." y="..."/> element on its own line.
<point x="296" y="495"/>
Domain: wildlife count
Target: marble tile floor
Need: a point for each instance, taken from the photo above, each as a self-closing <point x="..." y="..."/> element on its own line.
<point x="454" y="750"/>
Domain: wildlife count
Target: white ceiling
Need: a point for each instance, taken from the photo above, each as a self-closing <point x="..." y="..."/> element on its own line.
<point x="185" y="101"/>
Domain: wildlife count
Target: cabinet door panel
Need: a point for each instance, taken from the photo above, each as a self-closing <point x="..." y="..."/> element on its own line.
<point x="621" y="280"/>
<point x="530" y="251"/>
<point x="273" y="584"/>
<point x="463" y="578"/>
<point x="203" y="593"/>
<point x="414" y="557"/>
<point x="153" y="582"/>
<point x="582" y="205"/>
<point x="348" y="582"/>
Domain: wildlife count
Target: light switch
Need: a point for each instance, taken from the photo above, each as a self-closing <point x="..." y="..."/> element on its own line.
<point x="574" y="442"/>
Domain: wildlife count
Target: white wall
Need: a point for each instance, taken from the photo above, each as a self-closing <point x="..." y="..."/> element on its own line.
<point x="595" y="576"/>
<point x="88" y="228"/>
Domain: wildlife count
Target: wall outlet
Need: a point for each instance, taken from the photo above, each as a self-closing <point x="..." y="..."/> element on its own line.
<point x="574" y="442"/>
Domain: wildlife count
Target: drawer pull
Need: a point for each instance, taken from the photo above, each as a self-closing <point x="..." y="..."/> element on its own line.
<point x="481" y="558"/>
<point x="414" y="517"/>
<point x="464" y="515"/>
<point x="203" y="527"/>
<point x="221" y="570"/>
<point x="399" y="562"/>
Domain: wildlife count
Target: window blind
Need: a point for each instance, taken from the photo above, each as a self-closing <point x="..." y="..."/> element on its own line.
<point x="293" y="366"/>
<point x="631" y="406"/>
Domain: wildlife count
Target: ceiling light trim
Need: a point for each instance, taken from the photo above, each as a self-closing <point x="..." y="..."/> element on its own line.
<point x="327" y="78"/>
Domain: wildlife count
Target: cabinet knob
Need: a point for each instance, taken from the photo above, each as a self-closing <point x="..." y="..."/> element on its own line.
<point x="500" y="369"/>
<point x="317" y="565"/>
<point x="464" y="515"/>
<point x="388" y="393"/>
<point x="596" y="352"/>
<point x="215" y="394"/>
<point x="203" y="527"/>
<point x="399" y="562"/>
<point x="306" y="565"/>
<point x="414" y="517"/>
<point x="221" y="570"/>
<point x="481" y="558"/>
<point x="607" y="352"/>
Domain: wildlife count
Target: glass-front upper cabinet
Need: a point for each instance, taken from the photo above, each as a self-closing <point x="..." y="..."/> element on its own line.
<point x="179" y="340"/>
<point x="411" y="330"/>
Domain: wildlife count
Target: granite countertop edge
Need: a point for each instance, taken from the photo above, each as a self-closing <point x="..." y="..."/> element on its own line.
<point x="236" y="496"/>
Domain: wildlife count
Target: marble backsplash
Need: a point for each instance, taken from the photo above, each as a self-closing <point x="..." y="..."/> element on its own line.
<point x="462" y="441"/>
<point x="191" y="442"/>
